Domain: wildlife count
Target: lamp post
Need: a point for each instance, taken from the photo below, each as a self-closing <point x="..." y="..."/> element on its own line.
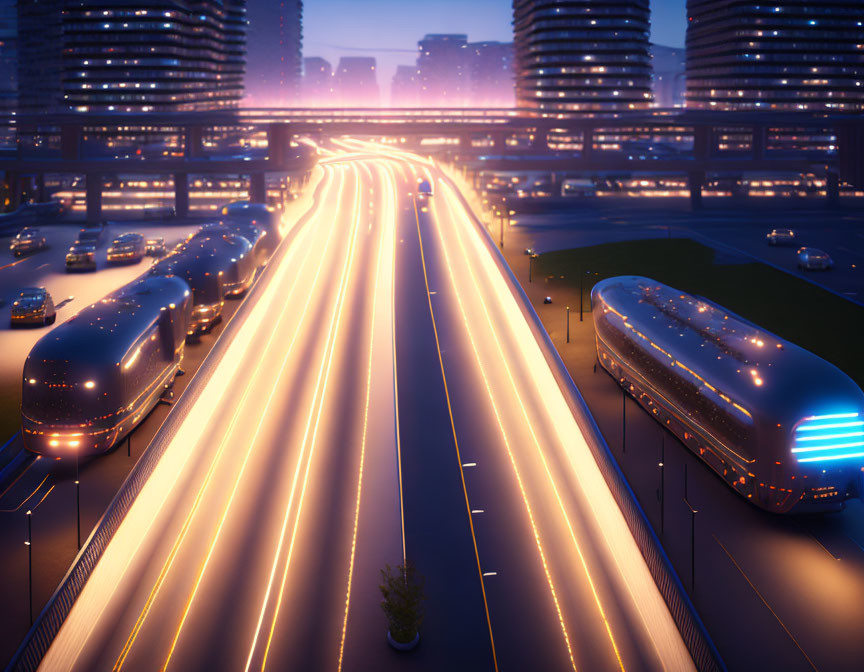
<point x="568" y="324"/>
<point x="581" y="292"/>
<point x="662" y="492"/>
<point x="624" y="420"/>
<point x="531" y="258"/>
<point x="693" y="513"/>
<point x="78" y="499"/>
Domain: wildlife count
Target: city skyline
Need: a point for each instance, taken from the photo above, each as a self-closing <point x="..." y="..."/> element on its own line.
<point x="336" y="28"/>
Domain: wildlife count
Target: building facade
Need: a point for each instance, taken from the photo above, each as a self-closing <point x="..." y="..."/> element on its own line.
<point x="782" y="55"/>
<point x="442" y="70"/>
<point x="317" y="82"/>
<point x="355" y="83"/>
<point x="405" y="89"/>
<point x="130" y="56"/>
<point x="490" y="74"/>
<point x="669" y="66"/>
<point x="582" y="56"/>
<point x="274" y="53"/>
<point x="8" y="55"/>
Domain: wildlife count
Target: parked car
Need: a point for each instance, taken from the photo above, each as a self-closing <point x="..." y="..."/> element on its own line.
<point x="155" y="247"/>
<point x="81" y="257"/>
<point x="33" y="307"/>
<point x="27" y="241"/>
<point x="782" y="237"/>
<point x="812" y="259"/>
<point x="127" y="248"/>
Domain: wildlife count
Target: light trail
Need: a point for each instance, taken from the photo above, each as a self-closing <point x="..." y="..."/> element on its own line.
<point x="118" y="665"/>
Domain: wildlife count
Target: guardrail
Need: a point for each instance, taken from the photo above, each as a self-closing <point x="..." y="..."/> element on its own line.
<point x="40" y="636"/>
<point x="705" y="655"/>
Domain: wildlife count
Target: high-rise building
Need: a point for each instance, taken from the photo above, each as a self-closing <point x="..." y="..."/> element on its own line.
<point x="8" y="55"/>
<point x="405" y="87"/>
<point x="40" y="56"/>
<point x="782" y="55"/>
<point x="317" y="82"/>
<point x="582" y="56"/>
<point x="669" y="65"/>
<point x="130" y="55"/>
<point x="356" y="82"/>
<point x="442" y="70"/>
<point x="274" y="52"/>
<point x="490" y="74"/>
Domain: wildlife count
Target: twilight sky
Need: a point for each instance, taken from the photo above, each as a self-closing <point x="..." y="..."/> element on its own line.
<point x="384" y="28"/>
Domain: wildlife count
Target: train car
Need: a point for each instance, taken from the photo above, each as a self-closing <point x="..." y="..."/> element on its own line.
<point x="202" y="270"/>
<point x="263" y="244"/>
<point x="783" y="427"/>
<point x="259" y="215"/>
<point x="236" y="256"/>
<point x="89" y="382"/>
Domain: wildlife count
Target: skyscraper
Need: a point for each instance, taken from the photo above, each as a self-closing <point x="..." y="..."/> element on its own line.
<point x="782" y="55"/>
<point x="317" y="82"/>
<point x="274" y="52"/>
<point x="669" y="68"/>
<point x="356" y="82"/>
<point x="8" y="55"/>
<point x="405" y="87"/>
<point x="490" y="74"/>
<point x="132" y="56"/>
<point x="442" y="70"/>
<point x="582" y="56"/>
<point x="40" y="56"/>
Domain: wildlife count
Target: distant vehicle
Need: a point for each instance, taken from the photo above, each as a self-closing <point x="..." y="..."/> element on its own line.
<point x="90" y="381"/>
<point x="33" y="307"/>
<point x="155" y="247"/>
<point x="27" y="241"/>
<point x="30" y="213"/>
<point x="529" y="251"/>
<point x="783" y="427"/>
<point x="812" y="259"/>
<point x="577" y="187"/>
<point x="92" y="233"/>
<point x="127" y="248"/>
<point x="202" y="270"/>
<point x="81" y="257"/>
<point x="782" y="237"/>
<point x="547" y="300"/>
<point x="424" y="190"/>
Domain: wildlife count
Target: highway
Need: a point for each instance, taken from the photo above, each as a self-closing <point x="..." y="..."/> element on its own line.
<point x="383" y="398"/>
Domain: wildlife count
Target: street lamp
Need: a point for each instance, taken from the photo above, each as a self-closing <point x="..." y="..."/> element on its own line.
<point x="29" y="544"/>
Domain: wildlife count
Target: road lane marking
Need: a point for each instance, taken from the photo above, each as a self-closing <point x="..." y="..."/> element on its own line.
<point x="29" y="497"/>
<point x="455" y="437"/>
<point x="362" y="443"/>
<point x="765" y="602"/>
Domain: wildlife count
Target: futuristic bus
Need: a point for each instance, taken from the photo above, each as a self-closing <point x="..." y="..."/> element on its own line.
<point x="202" y="271"/>
<point x="783" y="427"/>
<point x="90" y="381"/>
<point x="238" y="264"/>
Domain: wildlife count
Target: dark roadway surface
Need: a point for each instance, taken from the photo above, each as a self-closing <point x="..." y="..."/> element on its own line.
<point x="774" y="592"/>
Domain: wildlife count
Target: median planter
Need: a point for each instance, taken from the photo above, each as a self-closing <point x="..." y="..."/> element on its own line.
<point x="402" y="601"/>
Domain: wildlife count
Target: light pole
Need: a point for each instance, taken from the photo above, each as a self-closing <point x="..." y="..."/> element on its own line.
<point x="568" y="324"/>
<point x="624" y="419"/>
<point x="581" y="292"/>
<point x="531" y="258"/>
<point x="693" y="513"/>
<point x="662" y="480"/>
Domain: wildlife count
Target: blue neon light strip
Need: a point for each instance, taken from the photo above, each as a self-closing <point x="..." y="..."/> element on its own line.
<point x="831" y="457"/>
<point x="835" y="425"/>
<point x="813" y="449"/>
<point x="836" y="416"/>
<point x="825" y="437"/>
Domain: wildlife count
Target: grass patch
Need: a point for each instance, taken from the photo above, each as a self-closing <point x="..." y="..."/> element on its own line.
<point x="790" y="307"/>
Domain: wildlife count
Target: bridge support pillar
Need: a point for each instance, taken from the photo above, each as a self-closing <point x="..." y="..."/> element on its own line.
<point x="587" y="143"/>
<point x="41" y="193"/>
<point x="832" y="187"/>
<point x="696" y="180"/>
<point x="278" y="143"/>
<point x="540" y="140"/>
<point x="70" y="142"/>
<point x="181" y="194"/>
<point x="94" y="197"/>
<point x="499" y="141"/>
<point x="258" y="187"/>
<point x="193" y="142"/>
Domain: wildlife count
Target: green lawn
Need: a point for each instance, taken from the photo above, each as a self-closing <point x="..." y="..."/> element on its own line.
<point x="790" y="307"/>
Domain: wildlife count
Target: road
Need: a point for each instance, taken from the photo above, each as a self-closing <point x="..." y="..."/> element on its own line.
<point x="383" y="398"/>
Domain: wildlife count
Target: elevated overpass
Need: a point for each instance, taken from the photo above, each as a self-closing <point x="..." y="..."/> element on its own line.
<point x="254" y="142"/>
